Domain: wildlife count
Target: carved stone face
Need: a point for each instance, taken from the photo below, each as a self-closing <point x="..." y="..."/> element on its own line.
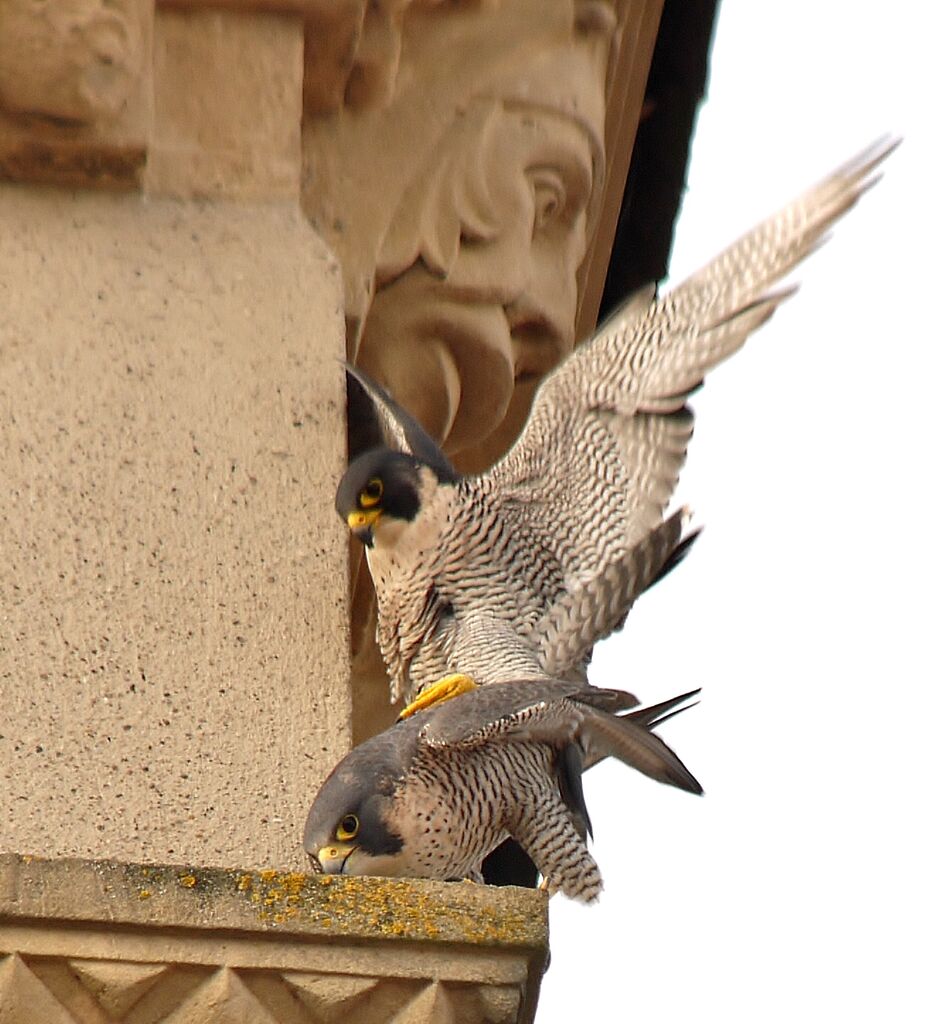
<point x="73" y="61"/>
<point x="491" y="300"/>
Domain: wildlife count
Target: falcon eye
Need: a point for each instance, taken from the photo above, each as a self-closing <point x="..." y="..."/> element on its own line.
<point x="348" y="827"/>
<point x="372" y="493"/>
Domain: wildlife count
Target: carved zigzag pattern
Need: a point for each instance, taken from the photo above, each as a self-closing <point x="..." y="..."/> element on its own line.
<point x="59" y="990"/>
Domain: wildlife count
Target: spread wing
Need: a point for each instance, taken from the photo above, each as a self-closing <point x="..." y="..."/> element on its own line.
<point x="534" y="709"/>
<point x="606" y="438"/>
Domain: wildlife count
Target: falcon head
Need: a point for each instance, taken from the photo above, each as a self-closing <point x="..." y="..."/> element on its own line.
<point x="346" y="831"/>
<point x="381" y="487"/>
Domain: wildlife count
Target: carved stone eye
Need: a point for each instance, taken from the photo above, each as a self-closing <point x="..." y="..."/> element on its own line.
<point x="550" y="197"/>
<point x="372" y="493"/>
<point x="348" y="827"/>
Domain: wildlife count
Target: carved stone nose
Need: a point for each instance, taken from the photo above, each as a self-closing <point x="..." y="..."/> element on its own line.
<point x="539" y="342"/>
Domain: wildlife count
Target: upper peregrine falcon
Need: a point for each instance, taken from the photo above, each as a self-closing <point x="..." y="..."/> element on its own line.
<point x="433" y="795"/>
<point x="503" y="574"/>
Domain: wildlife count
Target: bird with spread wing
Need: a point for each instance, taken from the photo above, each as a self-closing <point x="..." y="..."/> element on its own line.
<point x="517" y="571"/>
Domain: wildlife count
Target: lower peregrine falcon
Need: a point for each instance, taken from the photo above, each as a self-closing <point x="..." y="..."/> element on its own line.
<point x="433" y="795"/>
<point x="503" y="575"/>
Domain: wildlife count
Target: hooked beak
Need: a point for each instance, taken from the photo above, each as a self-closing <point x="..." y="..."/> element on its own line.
<point x="362" y="524"/>
<point x="332" y="859"/>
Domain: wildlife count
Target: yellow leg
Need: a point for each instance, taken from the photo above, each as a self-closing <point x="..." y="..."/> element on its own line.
<point x="446" y="688"/>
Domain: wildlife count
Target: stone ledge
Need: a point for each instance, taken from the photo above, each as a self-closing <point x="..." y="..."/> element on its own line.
<point x="85" y="940"/>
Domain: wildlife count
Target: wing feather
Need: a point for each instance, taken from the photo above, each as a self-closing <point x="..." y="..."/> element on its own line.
<point x="602" y="449"/>
<point x="399" y="429"/>
<point x="558" y="713"/>
<point x="505" y="712"/>
<point x="598" y="606"/>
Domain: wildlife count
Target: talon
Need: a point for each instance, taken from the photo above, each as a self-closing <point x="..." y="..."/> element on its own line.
<point x="543" y="885"/>
<point x="445" y="689"/>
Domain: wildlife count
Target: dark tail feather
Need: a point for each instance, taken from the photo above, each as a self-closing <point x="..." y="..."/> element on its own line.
<point x="658" y="713"/>
<point x="640" y="748"/>
<point x="568" y="768"/>
<point x="630" y="739"/>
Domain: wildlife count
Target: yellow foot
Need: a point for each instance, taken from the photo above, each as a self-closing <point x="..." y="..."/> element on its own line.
<point x="446" y="688"/>
<point x="543" y="885"/>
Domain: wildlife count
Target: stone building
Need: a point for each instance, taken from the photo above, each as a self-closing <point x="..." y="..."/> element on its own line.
<point x="204" y="205"/>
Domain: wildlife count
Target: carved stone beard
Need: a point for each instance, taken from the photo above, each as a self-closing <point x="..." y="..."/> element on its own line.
<point x="449" y="361"/>
<point x="478" y="280"/>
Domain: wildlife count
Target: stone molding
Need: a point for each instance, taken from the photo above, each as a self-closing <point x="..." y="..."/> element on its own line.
<point x="99" y="941"/>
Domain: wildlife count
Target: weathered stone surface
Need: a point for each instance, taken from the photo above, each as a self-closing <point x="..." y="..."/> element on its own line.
<point x="173" y="635"/>
<point x="228" y="89"/>
<point x="152" y="943"/>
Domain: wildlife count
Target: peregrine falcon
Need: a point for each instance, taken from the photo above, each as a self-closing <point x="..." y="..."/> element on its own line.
<point x="434" y="794"/>
<point x="507" y="574"/>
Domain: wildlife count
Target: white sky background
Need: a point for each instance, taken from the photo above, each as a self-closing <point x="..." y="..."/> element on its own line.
<point x="795" y="890"/>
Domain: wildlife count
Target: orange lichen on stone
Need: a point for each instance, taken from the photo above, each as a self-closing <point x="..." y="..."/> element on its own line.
<point x="396" y="908"/>
<point x="331" y="906"/>
<point x="280" y="891"/>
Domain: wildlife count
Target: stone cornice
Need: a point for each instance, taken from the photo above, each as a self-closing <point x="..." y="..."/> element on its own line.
<point x="208" y="944"/>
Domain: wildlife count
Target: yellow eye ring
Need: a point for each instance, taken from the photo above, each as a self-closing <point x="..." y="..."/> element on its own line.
<point x="348" y="827"/>
<point x="372" y="493"/>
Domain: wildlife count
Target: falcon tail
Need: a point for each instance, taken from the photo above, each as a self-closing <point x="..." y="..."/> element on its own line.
<point x="630" y="739"/>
